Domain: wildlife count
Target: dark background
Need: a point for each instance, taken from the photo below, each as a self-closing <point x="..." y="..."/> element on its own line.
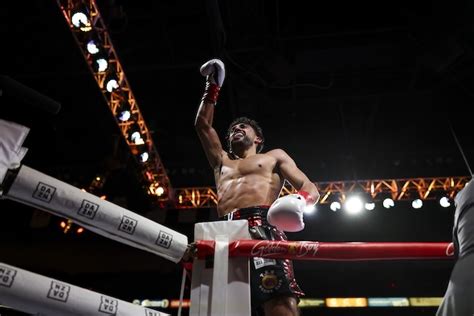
<point x="351" y="91"/>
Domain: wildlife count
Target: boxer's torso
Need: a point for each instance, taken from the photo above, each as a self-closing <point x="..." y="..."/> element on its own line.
<point x="250" y="181"/>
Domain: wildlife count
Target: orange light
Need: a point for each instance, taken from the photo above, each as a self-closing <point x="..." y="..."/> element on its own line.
<point x="159" y="191"/>
<point x="66" y="225"/>
<point x="80" y="230"/>
<point x="103" y="197"/>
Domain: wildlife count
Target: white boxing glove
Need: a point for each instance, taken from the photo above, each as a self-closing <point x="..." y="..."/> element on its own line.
<point x="286" y="213"/>
<point x="214" y="71"/>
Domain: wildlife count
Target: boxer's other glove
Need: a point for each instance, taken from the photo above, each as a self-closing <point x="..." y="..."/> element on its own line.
<point x="214" y="71"/>
<point x="286" y="213"/>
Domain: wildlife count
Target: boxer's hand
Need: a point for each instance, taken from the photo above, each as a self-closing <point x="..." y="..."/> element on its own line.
<point x="286" y="213"/>
<point x="214" y="71"/>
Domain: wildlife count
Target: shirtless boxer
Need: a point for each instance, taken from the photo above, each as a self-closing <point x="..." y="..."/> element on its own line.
<point x="248" y="185"/>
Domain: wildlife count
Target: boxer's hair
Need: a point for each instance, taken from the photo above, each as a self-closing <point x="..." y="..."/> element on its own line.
<point x="253" y="124"/>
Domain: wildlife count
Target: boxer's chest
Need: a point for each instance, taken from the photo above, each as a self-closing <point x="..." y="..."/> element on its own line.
<point x="255" y="165"/>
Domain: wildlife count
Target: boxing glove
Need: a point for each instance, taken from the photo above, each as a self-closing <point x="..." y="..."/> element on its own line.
<point x="214" y="71"/>
<point x="286" y="213"/>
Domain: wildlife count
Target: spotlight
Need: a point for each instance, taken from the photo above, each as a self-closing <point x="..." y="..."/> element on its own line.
<point x="100" y="61"/>
<point x="122" y="110"/>
<point x="353" y="205"/>
<point x="123" y="114"/>
<point x="160" y="190"/>
<point x="92" y="47"/>
<point x="144" y="157"/>
<point x="111" y="80"/>
<point x="335" y="206"/>
<point x="66" y="225"/>
<point x="136" y="138"/>
<point x="156" y="189"/>
<point x="101" y="64"/>
<point x="416" y="204"/>
<point x="80" y="19"/>
<point x="309" y="209"/>
<point x="134" y="135"/>
<point x="370" y="206"/>
<point x="388" y="203"/>
<point x="444" y="202"/>
<point x="111" y="85"/>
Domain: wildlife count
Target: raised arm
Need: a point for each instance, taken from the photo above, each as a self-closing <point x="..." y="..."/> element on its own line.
<point x="215" y="72"/>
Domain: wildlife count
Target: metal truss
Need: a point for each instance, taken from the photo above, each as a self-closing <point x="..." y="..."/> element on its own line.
<point x="152" y="171"/>
<point x="397" y="189"/>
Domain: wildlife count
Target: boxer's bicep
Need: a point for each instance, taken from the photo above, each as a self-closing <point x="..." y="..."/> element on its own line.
<point x="297" y="178"/>
<point x="211" y="144"/>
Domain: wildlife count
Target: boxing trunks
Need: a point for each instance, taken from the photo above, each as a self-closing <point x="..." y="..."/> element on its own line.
<point x="269" y="278"/>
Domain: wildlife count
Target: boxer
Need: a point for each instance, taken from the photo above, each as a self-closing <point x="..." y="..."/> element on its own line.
<point x="248" y="184"/>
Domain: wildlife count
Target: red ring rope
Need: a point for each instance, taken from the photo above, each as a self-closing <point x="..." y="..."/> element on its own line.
<point x="332" y="251"/>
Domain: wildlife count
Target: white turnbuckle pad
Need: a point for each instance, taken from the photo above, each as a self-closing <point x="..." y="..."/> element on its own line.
<point x="12" y="136"/>
<point x="39" y="295"/>
<point x="34" y="188"/>
<point x="221" y="289"/>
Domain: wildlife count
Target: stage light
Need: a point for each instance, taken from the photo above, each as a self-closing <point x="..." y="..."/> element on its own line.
<point x="444" y="202"/>
<point x="353" y="205"/>
<point x="80" y="17"/>
<point x="335" y="206"/>
<point x="111" y="85"/>
<point x="136" y="138"/>
<point x="101" y="64"/>
<point x="92" y="47"/>
<point x="144" y="157"/>
<point x="111" y="79"/>
<point x="309" y="209"/>
<point x="388" y="203"/>
<point x="122" y="111"/>
<point x="81" y="21"/>
<point x="160" y="190"/>
<point x="100" y="61"/>
<point x="416" y="204"/>
<point x="66" y="225"/>
<point x="156" y="189"/>
<point x="370" y="206"/>
<point x="124" y="115"/>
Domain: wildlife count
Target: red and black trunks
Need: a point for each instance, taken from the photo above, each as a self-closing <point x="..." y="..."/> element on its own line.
<point x="269" y="277"/>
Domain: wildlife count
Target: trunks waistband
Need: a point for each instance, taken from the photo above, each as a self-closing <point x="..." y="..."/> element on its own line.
<point x="253" y="213"/>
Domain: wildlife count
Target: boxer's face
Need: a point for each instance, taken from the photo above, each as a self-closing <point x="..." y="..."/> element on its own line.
<point x="242" y="134"/>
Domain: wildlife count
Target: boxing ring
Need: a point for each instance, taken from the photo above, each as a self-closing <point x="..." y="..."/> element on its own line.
<point x="212" y="287"/>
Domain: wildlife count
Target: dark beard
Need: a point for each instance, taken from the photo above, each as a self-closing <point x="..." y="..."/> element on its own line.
<point x="244" y="143"/>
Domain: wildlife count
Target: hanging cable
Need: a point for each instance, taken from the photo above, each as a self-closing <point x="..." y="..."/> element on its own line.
<point x="460" y="148"/>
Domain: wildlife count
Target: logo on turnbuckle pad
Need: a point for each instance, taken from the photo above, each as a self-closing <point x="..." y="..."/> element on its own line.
<point x="7" y="276"/>
<point x="269" y="282"/>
